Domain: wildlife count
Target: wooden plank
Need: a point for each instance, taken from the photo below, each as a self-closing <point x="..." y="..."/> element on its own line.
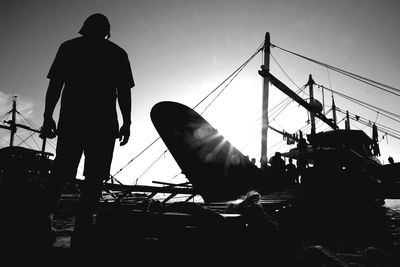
<point x="329" y="257"/>
<point x="151" y="189"/>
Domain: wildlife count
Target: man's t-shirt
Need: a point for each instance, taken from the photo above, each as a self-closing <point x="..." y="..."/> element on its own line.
<point x="91" y="69"/>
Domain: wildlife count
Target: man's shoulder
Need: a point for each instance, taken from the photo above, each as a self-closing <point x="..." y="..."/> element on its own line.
<point x="79" y="41"/>
<point x="116" y="48"/>
<point x="72" y="41"/>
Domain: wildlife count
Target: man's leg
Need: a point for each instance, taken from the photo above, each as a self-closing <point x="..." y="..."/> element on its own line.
<point x="68" y="154"/>
<point x="97" y="169"/>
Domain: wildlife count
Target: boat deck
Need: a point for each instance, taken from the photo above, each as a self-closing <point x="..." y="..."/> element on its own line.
<point x="323" y="251"/>
<point x="128" y="229"/>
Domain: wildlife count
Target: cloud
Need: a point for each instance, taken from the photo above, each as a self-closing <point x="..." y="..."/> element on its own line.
<point x="24" y="106"/>
<point x="346" y="40"/>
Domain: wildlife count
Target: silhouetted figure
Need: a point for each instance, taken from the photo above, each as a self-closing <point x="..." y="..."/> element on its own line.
<point x="264" y="164"/>
<point x="291" y="172"/>
<point x="302" y="163"/>
<point x="302" y="144"/>
<point x="92" y="73"/>
<point x="277" y="168"/>
<point x="253" y="160"/>
<point x="277" y="162"/>
<point x="390" y="159"/>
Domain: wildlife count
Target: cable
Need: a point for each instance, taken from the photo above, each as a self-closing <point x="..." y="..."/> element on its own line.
<point x="244" y="64"/>
<point x="233" y="74"/>
<point x="347" y="73"/>
<point x="151" y="165"/>
<point x="364" y="104"/>
<point x="130" y="161"/>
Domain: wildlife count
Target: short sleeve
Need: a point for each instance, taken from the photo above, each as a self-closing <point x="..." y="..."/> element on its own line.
<point x="124" y="76"/>
<point x="59" y="67"/>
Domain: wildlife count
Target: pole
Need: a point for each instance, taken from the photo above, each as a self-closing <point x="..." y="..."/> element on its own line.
<point x="312" y="114"/>
<point x="334" y="111"/>
<point x="323" y="100"/>
<point x="44" y="145"/>
<point x="347" y="124"/>
<point x="281" y="86"/>
<point x="265" y="96"/>
<point x="13" y="127"/>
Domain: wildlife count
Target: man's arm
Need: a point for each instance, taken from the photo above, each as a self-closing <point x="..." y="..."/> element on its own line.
<point x="125" y="104"/>
<point x="52" y="96"/>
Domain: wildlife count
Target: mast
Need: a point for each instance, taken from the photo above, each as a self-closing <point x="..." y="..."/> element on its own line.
<point x="347" y="122"/>
<point x="312" y="108"/>
<point x="265" y="96"/>
<point x="312" y="114"/>
<point x="13" y="127"/>
<point x="334" y="111"/>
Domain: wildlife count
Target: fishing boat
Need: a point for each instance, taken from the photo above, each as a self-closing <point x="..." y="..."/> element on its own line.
<point x="338" y="162"/>
<point x="24" y="171"/>
<point x="217" y="171"/>
<point x="340" y="167"/>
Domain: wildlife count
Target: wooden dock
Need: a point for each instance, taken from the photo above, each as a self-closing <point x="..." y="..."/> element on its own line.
<point x="124" y="228"/>
<point x="186" y="230"/>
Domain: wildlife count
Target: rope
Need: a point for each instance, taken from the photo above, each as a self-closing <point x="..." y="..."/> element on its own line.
<point x="284" y="104"/>
<point x="365" y="105"/>
<point x="244" y="64"/>
<point x="212" y="101"/>
<point x="284" y="71"/>
<point x="130" y="161"/>
<point x="201" y="101"/>
<point x="151" y="165"/>
<point x="347" y="73"/>
<point x="24" y="140"/>
<point x="364" y="121"/>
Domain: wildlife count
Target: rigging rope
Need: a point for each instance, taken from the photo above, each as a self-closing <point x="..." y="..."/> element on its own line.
<point x="364" y="121"/>
<point x="201" y="101"/>
<point x="231" y="77"/>
<point x="260" y="48"/>
<point x="364" y="104"/>
<point x="130" y="161"/>
<point x="347" y="73"/>
<point x="151" y="165"/>
<point x="290" y="79"/>
<point x="24" y="140"/>
<point x="212" y="101"/>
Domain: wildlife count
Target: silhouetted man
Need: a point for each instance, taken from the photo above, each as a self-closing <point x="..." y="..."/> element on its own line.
<point x="277" y="168"/>
<point x="291" y="172"/>
<point x="92" y="73"/>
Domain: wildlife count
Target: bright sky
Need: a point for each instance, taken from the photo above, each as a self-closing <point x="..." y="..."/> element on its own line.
<point x="180" y="50"/>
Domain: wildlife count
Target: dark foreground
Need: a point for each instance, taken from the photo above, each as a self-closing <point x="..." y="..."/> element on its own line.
<point x="269" y="232"/>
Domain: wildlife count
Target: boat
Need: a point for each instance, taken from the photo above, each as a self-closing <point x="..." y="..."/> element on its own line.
<point x="23" y="171"/>
<point x="339" y="162"/>
<point x="218" y="171"/>
<point x="240" y="202"/>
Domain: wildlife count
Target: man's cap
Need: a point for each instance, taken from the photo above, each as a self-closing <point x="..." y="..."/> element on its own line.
<point x="96" y="24"/>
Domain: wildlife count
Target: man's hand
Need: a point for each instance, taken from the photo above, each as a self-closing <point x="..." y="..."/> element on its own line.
<point x="124" y="133"/>
<point x="49" y="129"/>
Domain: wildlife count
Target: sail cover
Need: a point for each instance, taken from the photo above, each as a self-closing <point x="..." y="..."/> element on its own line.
<point x="218" y="170"/>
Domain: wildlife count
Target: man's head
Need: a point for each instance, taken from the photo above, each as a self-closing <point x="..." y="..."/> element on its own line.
<point x="96" y="25"/>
